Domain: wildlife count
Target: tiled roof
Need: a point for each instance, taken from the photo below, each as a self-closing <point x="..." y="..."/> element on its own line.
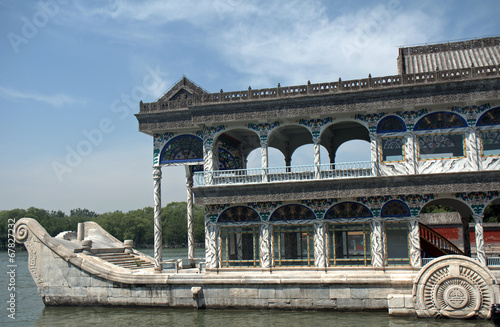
<point x="449" y="56"/>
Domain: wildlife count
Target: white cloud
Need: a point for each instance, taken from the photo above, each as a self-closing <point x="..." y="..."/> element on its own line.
<point x="56" y="100"/>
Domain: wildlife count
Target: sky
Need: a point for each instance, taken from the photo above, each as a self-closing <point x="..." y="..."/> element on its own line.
<point x="72" y="73"/>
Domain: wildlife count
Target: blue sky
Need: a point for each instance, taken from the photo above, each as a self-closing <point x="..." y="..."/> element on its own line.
<point x="73" y="72"/>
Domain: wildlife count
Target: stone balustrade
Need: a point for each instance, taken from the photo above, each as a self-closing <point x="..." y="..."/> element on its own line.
<point x="370" y="83"/>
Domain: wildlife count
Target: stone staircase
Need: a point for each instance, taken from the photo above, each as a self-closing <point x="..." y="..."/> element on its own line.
<point x="125" y="260"/>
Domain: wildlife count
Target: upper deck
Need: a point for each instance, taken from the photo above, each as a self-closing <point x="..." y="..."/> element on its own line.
<point x="429" y="121"/>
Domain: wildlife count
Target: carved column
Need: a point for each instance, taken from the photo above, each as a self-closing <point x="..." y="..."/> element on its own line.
<point x="377" y="243"/>
<point x="317" y="158"/>
<point x="211" y="237"/>
<point x="265" y="163"/>
<point x="374" y="154"/>
<point x="319" y="244"/>
<point x="208" y="161"/>
<point x="158" y="243"/>
<point x="265" y="246"/>
<point x="473" y="149"/>
<point x="415" y="254"/>
<point x="410" y="153"/>
<point x="478" y="227"/>
<point x="190" y="217"/>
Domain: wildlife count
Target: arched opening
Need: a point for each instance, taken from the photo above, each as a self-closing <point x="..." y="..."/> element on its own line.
<point x="289" y="138"/>
<point x="352" y="137"/>
<point x="449" y="218"/>
<point x="239" y="243"/>
<point x="293" y="243"/>
<point x="233" y="148"/>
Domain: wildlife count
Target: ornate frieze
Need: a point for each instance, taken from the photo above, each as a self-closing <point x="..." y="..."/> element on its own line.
<point x="315" y="126"/>
<point x="477" y="200"/>
<point x="416" y="201"/>
<point x="374" y="203"/>
<point x="471" y="113"/>
<point x="411" y="117"/>
<point x="263" y="129"/>
<point x="371" y="120"/>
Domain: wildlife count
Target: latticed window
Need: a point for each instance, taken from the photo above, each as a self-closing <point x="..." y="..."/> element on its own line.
<point x="395" y="208"/>
<point x="293" y="245"/>
<point x="349" y="244"/>
<point x="391" y="124"/>
<point x="397" y="244"/>
<point x="183" y="148"/>
<point x="238" y="214"/>
<point x="491" y="117"/>
<point x="441" y="146"/>
<point x="491" y="143"/>
<point x="440" y="120"/>
<point x="292" y="212"/>
<point x="240" y="246"/>
<point x="392" y="149"/>
<point x="348" y="210"/>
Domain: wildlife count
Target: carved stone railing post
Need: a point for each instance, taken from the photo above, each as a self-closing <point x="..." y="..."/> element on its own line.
<point x="190" y="217"/>
<point x="319" y="244"/>
<point x="478" y="226"/>
<point x="211" y="238"/>
<point x="377" y="243"/>
<point x="158" y="243"/>
<point x="265" y="245"/>
<point x="415" y="253"/>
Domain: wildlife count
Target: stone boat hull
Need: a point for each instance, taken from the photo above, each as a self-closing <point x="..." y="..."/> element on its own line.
<point x="67" y="274"/>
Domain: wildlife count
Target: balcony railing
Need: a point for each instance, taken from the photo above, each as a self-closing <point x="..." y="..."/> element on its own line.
<point x="284" y="174"/>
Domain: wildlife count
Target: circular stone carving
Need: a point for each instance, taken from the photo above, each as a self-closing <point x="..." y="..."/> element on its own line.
<point x="456" y="296"/>
<point x="454" y="287"/>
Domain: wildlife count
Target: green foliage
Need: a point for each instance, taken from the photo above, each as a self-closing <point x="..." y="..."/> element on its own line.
<point x="492" y="213"/>
<point x="437" y="209"/>
<point x="136" y="225"/>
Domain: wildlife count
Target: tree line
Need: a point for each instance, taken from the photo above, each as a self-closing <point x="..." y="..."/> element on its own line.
<point x="136" y="225"/>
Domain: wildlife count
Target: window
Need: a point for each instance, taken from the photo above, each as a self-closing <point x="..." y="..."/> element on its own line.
<point x="491" y="117"/>
<point x="349" y="244"/>
<point x="240" y="246"/>
<point x="397" y="245"/>
<point x="183" y="148"/>
<point x="491" y="143"/>
<point x="441" y="146"/>
<point x="392" y="149"/>
<point x="391" y="124"/>
<point x="293" y="245"/>
<point x="440" y="120"/>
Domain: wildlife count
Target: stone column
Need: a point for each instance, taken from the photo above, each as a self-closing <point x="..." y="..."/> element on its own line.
<point x="374" y="154"/>
<point x="317" y="158"/>
<point x="473" y="149"/>
<point x="478" y="227"/>
<point x="211" y="249"/>
<point x="265" y="163"/>
<point x="190" y="217"/>
<point x="265" y="245"/>
<point x="410" y="151"/>
<point x="377" y="243"/>
<point x="319" y="244"/>
<point x="415" y="253"/>
<point x="158" y="243"/>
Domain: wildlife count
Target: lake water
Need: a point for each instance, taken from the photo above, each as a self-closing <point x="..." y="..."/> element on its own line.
<point x="30" y="310"/>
